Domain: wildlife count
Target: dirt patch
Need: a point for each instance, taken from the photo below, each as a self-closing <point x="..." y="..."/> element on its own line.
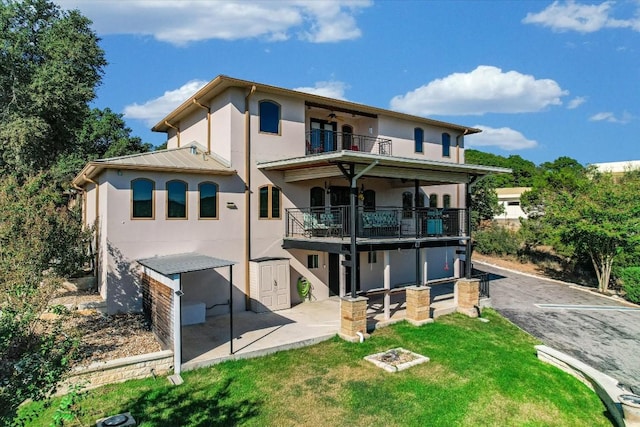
<point x="102" y="337"/>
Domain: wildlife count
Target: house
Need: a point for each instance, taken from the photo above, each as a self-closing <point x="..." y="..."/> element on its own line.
<point x="617" y="168"/>
<point x="288" y="187"/>
<point x="509" y="198"/>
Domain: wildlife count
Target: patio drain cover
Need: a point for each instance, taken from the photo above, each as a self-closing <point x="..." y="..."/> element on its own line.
<point x="396" y="359"/>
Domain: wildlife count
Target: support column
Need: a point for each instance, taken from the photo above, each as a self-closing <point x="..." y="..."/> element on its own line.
<point x="425" y="275"/>
<point x="353" y="318"/>
<point x="419" y="305"/>
<point x="387" y="284"/>
<point x="467" y="296"/>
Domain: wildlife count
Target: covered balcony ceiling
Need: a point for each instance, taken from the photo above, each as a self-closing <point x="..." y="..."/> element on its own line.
<point x="427" y="172"/>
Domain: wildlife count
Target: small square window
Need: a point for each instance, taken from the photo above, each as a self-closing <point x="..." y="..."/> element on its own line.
<point x="372" y="257"/>
<point x="312" y="261"/>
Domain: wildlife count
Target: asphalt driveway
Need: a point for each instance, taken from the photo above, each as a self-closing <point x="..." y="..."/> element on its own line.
<point x="600" y="332"/>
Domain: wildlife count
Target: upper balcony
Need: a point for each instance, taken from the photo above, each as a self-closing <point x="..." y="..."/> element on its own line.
<point x="326" y="141"/>
<point x="376" y="223"/>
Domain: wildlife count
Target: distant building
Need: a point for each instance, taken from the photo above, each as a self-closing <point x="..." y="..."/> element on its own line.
<point x="617" y="168"/>
<point x="509" y="198"/>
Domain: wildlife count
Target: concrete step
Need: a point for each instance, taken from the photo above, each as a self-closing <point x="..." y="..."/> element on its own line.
<point x="442" y="308"/>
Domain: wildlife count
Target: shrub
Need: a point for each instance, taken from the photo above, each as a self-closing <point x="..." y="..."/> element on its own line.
<point x="496" y="240"/>
<point x="630" y="278"/>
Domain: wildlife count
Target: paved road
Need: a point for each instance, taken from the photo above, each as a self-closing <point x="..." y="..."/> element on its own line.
<point x="600" y="332"/>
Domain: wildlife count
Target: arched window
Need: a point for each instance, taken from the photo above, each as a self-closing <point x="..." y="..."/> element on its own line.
<point x="208" y="194"/>
<point x="269" y="117"/>
<point x="446" y="201"/>
<point x="420" y="201"/>
<point x="418" y="138"/>
<point x="269" y="202"/>
<point x="142" y="198"/>
<point x="369" y="201"/>
<point x="433" y="201"/>
<point x="407" y="205"/>
<point x="176" y="199"/>
<point x="446" y="145"/>
<point x="316" y="197"/>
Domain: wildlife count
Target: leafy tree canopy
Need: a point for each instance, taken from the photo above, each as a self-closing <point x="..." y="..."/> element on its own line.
<point x="50" y="65"/>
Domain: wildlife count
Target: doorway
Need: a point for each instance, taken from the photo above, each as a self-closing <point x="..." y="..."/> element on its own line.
<point x="323" y="136"/>
<point x="334" y="275"/>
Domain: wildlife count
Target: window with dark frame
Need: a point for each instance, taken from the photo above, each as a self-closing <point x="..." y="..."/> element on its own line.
<point x="418" y="138"/>
<point x="312" y="261"/>
<point x="269" y="117"/>
<point x="446" y="201"/>
<point x="142" y="198"/>
<point x="208" y="193"/>
<point x="269" y="202"/>
<point x="372" y="257"/>
<point x="407" y="204"/>
<point x="446" y="145"/>
<point x="433" y="201"/>
<point x="176" y="199"/>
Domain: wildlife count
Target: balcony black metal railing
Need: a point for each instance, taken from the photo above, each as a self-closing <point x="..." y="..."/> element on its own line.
<point x="485" y="283"/>
<point x="325" y="141"/>
<point x="378" y="223"/>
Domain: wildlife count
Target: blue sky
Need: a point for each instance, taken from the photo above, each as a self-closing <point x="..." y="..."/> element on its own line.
<point x="542" y="79"/>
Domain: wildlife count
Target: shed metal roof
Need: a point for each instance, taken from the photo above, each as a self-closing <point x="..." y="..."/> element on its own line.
<point x="189" y="158"/>
<point x="183" y="263"/>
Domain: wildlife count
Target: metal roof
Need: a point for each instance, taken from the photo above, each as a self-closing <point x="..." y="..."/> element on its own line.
<point x="183" y="263"/>
<point x="189" y="158"/>
<point x="347" y="156"/>
<point x="222" y="83"/>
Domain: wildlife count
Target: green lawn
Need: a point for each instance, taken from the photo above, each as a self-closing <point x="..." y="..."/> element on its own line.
<point x="479" y="374"/>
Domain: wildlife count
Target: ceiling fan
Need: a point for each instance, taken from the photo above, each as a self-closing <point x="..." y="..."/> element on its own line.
<point x="334" y="117"/>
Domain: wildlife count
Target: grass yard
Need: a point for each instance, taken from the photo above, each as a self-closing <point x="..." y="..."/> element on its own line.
<point x="480" y="374"/>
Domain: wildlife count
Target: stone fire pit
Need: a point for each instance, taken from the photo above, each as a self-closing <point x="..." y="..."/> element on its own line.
<point x="396" y="359"/>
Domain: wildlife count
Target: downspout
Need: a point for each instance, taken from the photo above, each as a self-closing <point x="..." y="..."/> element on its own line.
<point x="84" y="203"/>
<point x="97" y="221"/>
<point x="195" y="101"/>
<point x="177" y="130"/>
<point x="354" y="231"/>
<point x="247" y="197"/>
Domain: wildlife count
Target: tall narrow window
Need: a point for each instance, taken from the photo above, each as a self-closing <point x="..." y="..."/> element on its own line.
<point x="142" y="198"/>
<point x="208" y="192"/>
<point x="269" y="117"/>
<point x="446" y="201"/>
<point x="269" y="202"/>
<point x="433" y="201"/>
<point x="316" y="197"/>
<point x="418" y="137"/>
<point x="177" y="200"/>
<point x="446" y="145"/>
<point x="407" y="205"/>
<point x="369" y="201"/>
<point x="420" y="201"/>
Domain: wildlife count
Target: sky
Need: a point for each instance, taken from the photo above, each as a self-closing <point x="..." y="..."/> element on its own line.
<point x="542" y="79"/>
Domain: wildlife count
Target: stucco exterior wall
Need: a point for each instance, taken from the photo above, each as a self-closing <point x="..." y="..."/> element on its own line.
<point x="130" y="239"/>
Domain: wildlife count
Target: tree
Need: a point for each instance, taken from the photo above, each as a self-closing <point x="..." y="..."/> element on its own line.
<point x="50" y="65"/>
<point x="484" y="201"/>
<point x="39" y="241"/>
<point x="598" y="218"/>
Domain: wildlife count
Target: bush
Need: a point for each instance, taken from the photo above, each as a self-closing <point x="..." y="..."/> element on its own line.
<point x="630" y="278"/>
<point x="496" y="240"/>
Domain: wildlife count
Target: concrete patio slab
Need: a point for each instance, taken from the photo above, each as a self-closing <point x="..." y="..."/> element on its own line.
<point x="257" y="334"/>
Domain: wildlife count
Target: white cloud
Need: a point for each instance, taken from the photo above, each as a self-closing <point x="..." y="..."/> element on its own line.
<point x="331" y="89"/>
<point x="611" y="118"/>
<point x="152" y="111"/>
<point x="576" y="102"/>
<point x="583" y="18"/>
<point x="486" y="89"/>
<point x="504" y="138"/>
<point x="184" y="21"/>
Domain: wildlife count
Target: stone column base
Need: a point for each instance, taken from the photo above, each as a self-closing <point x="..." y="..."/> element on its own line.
<point x="418" y="305"/>
<point x="467" y="296"/>
<point x="353" y="318"/>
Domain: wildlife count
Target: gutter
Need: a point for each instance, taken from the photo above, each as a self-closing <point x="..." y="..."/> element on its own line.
<point x="247" y="196"/>
<point x="177" y="131"/>
<point x="195" y="101"/>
